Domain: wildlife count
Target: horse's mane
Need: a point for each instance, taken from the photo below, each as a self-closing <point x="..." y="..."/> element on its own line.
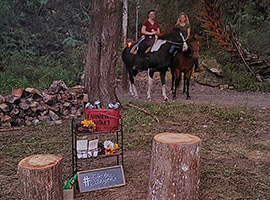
<point x="167" y="30"/>
<point x="166" y="33"/>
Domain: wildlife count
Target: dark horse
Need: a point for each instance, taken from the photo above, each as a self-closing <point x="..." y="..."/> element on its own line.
<point x="159" y="59"/>
<point x="183" y="62"/>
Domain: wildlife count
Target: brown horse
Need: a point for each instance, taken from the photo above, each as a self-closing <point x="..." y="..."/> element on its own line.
<point x="183" y="62"/>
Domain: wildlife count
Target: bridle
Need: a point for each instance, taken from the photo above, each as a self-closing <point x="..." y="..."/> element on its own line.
<point x="185" y="46"/>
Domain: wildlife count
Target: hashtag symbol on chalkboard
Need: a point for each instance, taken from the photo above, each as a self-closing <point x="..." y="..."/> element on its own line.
<point x="86" y="181"/>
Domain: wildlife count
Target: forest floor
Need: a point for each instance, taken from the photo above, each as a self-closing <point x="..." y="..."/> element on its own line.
<point x="234" y="128"/>
<point x="200" y="94"/>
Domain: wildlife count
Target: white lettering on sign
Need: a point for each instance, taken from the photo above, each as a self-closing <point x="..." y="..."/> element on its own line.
<point x="98" y="179"/>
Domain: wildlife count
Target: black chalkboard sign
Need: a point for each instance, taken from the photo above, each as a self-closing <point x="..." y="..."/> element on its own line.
<point x="101" y="178"/>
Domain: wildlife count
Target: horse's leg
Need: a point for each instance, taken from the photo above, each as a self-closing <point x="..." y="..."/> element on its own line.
<point x="185" y="82"/>
<point x="173" y="77"/>
<point x="188" y="80"/>
<point x="150" y="83"/>
<point x="132" y="88"/>
<point x="177" y="81"/>
<point x="162" y="78"/>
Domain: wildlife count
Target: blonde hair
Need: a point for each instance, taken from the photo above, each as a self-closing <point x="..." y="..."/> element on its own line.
<point x="187" y="19"/>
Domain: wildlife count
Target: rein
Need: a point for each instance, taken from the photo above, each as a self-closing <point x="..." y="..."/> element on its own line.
<point x="176" y="43"/>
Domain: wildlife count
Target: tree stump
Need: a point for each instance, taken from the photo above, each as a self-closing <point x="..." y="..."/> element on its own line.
<point x="41" y="177"/>
<point x="174" y="172"/>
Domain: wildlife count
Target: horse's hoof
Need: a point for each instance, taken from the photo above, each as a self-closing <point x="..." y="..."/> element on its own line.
<point x="174" y="97"/>
<point x="136" y="97"/>
<point x="188" y="97"/>
<point x="149" y="99"/>
<point x="166" y="99"/>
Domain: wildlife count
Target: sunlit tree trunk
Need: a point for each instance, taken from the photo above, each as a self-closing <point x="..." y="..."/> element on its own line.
<point x="137" y="18"/>
<point x="102" y="50"/>
<point x="124" y="26"/>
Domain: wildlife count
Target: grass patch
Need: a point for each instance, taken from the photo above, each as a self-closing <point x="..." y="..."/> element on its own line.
<point x="230" y="139"/>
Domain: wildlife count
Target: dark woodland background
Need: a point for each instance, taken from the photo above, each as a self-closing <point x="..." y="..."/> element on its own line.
<point x="46" y="40"/>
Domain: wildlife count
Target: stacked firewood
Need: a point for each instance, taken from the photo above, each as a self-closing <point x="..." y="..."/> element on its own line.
<point x="30" y="106"/>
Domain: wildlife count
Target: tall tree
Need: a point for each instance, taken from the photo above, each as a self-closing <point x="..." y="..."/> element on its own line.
<point x="102" y="50"/>
<point x="137" y="18"/>
<point x="125" y="26"/>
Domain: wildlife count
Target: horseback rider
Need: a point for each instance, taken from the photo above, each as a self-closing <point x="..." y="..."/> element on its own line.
<point x="183" y="24"/>
<point x="149" y="29"/>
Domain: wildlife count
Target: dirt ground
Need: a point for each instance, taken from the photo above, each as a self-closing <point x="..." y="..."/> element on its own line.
<point x="201" y="94"/>
<point x="234" y="127"/>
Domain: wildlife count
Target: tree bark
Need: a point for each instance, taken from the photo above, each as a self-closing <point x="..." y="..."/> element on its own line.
<point x="137" y="19"/>
<point x="125" y="25"/>
<point x="41" y="177"/>
<point x="174" y="172"/>
<point x="102" y="50"/>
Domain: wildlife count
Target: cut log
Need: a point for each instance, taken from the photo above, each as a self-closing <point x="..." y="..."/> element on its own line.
<point x="65" y="112"/>
<point x="24" y="105"/>
<point x="56" y="87"/>
<point x="12" y="99"/>
<point x="48" y="99"/>
<point x="43" y="118"/>
<point x="15" y="111"/>
<point x="41" y="177"/>
<point x="4" y="107"/>
<point x="77" y="89"/>
<point x="19" y="122"/>
<point x="53" y="116"/>
<point x="6" y="125"/>
<point x="22" y="114"/>
<point x="33" y="91"/>
<point x="6" y="119"/>
<point x="2" y="99"/>
<point x="17" y="92"/>
<point x="67" y="104"/>
<point x="174" y="172"/>
<point x="73" y="110"/>
<point x="85" y="98"/>
<point x="34" y="106"/>
<point x="43" y="113"/>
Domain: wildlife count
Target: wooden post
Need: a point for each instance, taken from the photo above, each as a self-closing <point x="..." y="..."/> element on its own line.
<point x="41" y="177"/>
<point x="174" y="172"/>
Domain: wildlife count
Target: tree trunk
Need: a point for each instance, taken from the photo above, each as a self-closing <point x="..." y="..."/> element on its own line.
<point x="41" y="177"/>
<point x="102" y="51"/>
<point x="137" y="18"/>
<point x="174" y="172"/>
<point x="125" y="25"/>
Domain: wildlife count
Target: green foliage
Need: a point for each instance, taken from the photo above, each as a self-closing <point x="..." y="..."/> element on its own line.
<point x="27" y="69"/>
<point x="167" y="12"/>
<point x="4" y="13"/>
<point x="43" y="42"/>
<point x="239" y="77"/>
<point x="251" y="21"/>
<point x="235" y="72"/>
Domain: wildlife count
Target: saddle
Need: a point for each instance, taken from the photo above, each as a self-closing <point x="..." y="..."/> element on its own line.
<point x="155" y="47"/>
<point x="135" y="48"/>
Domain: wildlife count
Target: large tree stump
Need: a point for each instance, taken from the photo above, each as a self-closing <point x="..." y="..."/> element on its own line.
<point x="41" y="177"/>
<point x="174" y="172"/>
